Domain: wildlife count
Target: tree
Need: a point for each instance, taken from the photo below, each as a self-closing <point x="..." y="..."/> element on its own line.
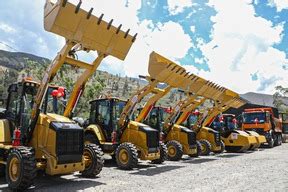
<point x="279" y="98"/>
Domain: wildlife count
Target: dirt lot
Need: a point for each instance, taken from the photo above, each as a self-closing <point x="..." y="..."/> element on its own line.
<point x="262" y="170"/>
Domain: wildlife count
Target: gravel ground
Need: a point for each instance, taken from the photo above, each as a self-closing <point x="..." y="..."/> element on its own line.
<point x="262" y="170"/>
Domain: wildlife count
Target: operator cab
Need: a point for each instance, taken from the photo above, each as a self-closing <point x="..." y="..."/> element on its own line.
<point x="55" y="100"/>
<point x="19" y="104"/>
<point x="157" y="117"/>
<point x="106" y="113"/>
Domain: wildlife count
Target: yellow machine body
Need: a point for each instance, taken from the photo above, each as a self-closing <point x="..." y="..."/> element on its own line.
<point x="44" y="142"/>
<point x="208" y="134"/>
<point x="261" y="139"/>
<point x="179" y="133"/>
<point x="131" y="134"/>
<point x="239" y="141"/>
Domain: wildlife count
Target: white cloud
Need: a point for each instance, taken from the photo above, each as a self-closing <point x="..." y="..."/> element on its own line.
<point x="279" y="4"/>
<point x="192" y="28"/>
<point x="241" y="45"/>
<point x="6" y="28"/>
<point x="177" y="6"/>
<point x="167" y="38"/>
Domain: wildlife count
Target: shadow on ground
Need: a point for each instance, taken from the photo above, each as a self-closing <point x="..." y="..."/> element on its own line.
<point x="198" y="160"/>
<point x="54" y="183"/>
<point x="154" y="170"/>
<point x="112" y="163"/>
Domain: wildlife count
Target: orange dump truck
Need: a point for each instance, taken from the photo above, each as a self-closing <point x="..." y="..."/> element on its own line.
<point x="264" y="122"/>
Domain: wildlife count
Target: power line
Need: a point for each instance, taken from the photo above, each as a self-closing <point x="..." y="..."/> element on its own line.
<point x="9" y="46"/>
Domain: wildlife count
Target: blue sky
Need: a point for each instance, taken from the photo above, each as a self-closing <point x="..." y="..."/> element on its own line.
<point x="240" y="44"/>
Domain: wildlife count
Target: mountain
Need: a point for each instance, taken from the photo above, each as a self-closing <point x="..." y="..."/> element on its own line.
<point x="18" y="60"/>
<point x="261" y="99"/>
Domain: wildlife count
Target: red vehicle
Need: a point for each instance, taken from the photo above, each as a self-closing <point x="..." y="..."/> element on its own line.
<point x="264" y="122"/>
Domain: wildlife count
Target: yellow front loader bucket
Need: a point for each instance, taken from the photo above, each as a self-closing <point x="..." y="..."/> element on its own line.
<point x="166" y="71"/>
<point x="73" y="23"/>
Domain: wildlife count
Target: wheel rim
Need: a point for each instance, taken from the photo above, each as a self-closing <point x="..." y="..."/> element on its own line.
<point x="203" y="148"/>
<point x="171" y="151"/>
<point x="14" y="169"/>
<point x="87" y="159"/>
<point x="123" y="156"/>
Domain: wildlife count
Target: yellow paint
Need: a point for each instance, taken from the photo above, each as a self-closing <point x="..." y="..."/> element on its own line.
<point x="5" y="135"/>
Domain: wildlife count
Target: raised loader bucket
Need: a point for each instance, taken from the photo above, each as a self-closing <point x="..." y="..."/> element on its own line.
<point x="77" y="25"/>
<point x="166" y="71"/>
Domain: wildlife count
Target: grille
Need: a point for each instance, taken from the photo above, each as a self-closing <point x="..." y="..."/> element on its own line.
<point x="217" y="138"/>
<point x="69" y="142"/>
<point x="152" y="139"/>
<point x="191" y="138"/>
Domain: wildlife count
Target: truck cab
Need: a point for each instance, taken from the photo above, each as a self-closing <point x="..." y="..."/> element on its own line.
<point x="264" y="122"/>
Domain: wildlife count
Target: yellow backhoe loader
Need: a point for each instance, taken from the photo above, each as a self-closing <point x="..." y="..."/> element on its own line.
<point x="179" y="139"/>
<point x="194" y="85"/>
<point x="235" y="140"/>
<point x="30" y="137"/>
<point x="111" y="125"/>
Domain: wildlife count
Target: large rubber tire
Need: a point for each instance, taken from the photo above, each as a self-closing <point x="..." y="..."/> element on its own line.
<point x="126" y="156"/>
<point x="205" y="147"/>
<point x="198" y="153"/>
<point x="276" y="140"/>
<point x="271" y="143"/>
<point x="2" y="170"/>
<point x="90" y="138"/>
<point x="163" y="155"/>
<point x="279" y="139"/>
<point x="21" y="168"/>
<point x="222" y="148"/>
<point x="175" y="150"/>
<point x="95" y="155"/>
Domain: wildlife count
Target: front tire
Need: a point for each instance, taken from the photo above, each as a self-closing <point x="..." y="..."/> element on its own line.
<point x="271" y="143"/>
<point x="198" y="153"/>
<point x="175" y="150"/>
<point x="94" y="160"/>
<point x="126" y="156"/>
<point x="205" y="147"/>
<point x="20" y="168"/>
<point x="163" y="155"/>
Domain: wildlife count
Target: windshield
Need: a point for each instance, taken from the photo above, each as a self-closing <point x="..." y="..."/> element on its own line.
<point x="254" y="117"/>
<point x="55" y="101"/>
<point x="117" y="109"/>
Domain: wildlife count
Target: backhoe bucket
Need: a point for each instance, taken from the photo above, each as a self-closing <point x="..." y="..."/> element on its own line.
<point x="77" y="25"/>
<point x="166" y="71"/>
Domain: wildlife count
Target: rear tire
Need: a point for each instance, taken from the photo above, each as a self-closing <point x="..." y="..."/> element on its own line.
<point x="175" y="150"/>
<point x="198" y="153"/>
<point x="95" y="155"/>
<point x="205" y="147"/>
<point x="222" y="148"/>
<point x="271" y="143"/>
<point x="21" y="168"/>
<point x="280" y="139"/>
<point x="163" y="154"/>
<point x="126" y="156"/>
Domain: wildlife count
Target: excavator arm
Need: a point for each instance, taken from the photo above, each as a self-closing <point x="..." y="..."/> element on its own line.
<point x="187" y="110"/>
<point x="158" y="93"/>
<point x="221" y="107"/>
<point x="83" y="32"/>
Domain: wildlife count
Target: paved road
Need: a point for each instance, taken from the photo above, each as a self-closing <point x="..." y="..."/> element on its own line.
<point x="262" y="170"/>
